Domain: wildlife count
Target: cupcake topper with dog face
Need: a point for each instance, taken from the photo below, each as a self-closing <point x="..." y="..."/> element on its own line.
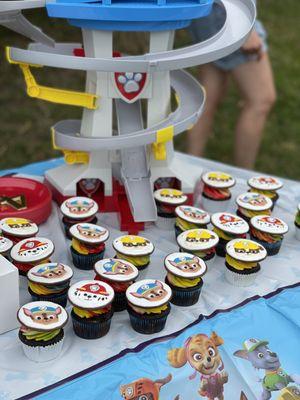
<point x="230" y="223"/>
<point x="32" y="250"/>
<point x="116" y="270"/>
<point x="265" y="183"/>
<point x="91" y="294"/>
<point x="254" y="201"/>
<point x="193" y="214"/>
<point x="50" y="273"/>
<point x="267" y="224"/>
<point x="185" y="265"/>
<point x="170" y="196"/>
<point x="148" y="293"/>
<point x="5" y="244"/>
<point x="42" y="316"/>
<point x="132" y="245"/>
<point x="89" y="233"/>
<point x="197" y="240"/>
<point x="246" y="250"/>
<point x="79" y="208"/>
<point x="20" y="227"/>
<point x="217" y="179"/>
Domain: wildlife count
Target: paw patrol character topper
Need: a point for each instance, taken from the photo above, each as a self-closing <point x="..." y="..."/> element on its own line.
<point x="170" y="196"/>
<point x="254" y="201"/>
<point x="89" y="233"/>
<point x="197" y="239"/>
<point x="185" y="265"/>
<point x="116" y="270"/>
<point x="246" y="250"/>
<point x="50" y="273"/>
<point x="218" y="179"/>
<point x="42" y="316"/>
<point x="32" y="250"/>
<point x="268" y="224"/>
<point x="144" y="389"/>
<point x="19" y="227"/>
<point x="193" y="214"/>
<point x="230" y="223"/>
<point x="91" y="295"/>
<point x="79" y="208"/>
<point x="148" y="293"/>
<point x="265" y="183"/>
<point x="132" y="245"/>
<point x="5" y="244"/>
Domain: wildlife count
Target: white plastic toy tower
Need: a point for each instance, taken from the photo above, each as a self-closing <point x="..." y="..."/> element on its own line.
<point x="138" y="153"/>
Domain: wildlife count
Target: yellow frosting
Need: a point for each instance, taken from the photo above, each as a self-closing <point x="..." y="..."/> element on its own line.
<point x="185" y="225"/>
<point x="239" y="265"/>
<point x="269" y="193"/>
<point x="252" y="213"/>
<point x="41" y="289"/>
<point x="40" y="336"/>
<point x="78" y="247"/>
<point x="182" y="282"/>
<point x="153" y="310"/>
<point x="222" y="234"/>
<point x="88" y="313"/>
<point x="138" y="261"/>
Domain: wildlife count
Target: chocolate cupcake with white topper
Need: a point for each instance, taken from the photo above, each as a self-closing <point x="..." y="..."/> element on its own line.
<point x="188" y="217"/>
<point x="242" y="261"/>
<point x="266" y="185"/>
<point x="41" y="331"/>
<point x="148" y="305"/>
<point x="184" y="276"/>
<point x="50" y="282"/>
<point x="5" y="246"/>
<point x="76" y="210"/>
<point x="135" y="249"/>
<point x="200" y="242"/>
<point x="17" y="229"/>
<point x="88" y="244"/>
<point x="253" y="204"/>
<point x="268" y="231"/>
<point x="216" y="192"/>
<point x="92" y="308"/>
<point x="119" y="274"/>
<point x="166" y="201"/>
<point x="228" y="227"/>
<point x="28" y="253"/>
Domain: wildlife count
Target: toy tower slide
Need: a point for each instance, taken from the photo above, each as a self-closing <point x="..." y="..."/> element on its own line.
<point x="139" y="154"/>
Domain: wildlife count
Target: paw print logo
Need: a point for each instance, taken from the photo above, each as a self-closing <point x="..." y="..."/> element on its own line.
<point x="130" y="84"/>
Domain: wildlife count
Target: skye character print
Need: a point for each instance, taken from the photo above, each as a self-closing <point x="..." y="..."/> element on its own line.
<point x="151" y="291"/>
<point x="117" y="267"/>
<point x="79" y="207"/>
<point x="193" y="213"/>
<point x="254" y="199"/>
<point x="43" y="315"/>
<point x="90" y="232"/>
<point x="51" y="271"/>
<point x="186" y="264"/>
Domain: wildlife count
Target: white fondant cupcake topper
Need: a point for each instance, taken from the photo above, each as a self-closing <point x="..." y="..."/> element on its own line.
<point x="268" y="224"/>
<point x="230" y="223"/>
<point x="254" y="201"/>
<point x="91" y="294"/>
<point x="89" y="233"/>
<point x="79" y="208"/>
<point x="246" y="250"/>
<point x="218" y="179"/>
<point x="193" y="214"/>
<point x="185" y="265"/>
<point x="50" y="273"/>
<point x="149" y="293"/>
<point x="170" y="196"/>
<point x="32" y="250"/>
<point x="5" y="244"/>
<point x="20" y="227"/>
<point x="265" y="183"/>
<point x="132" y="245"/>
<point x="197" y="240"/>
<point x="116" y="270"/>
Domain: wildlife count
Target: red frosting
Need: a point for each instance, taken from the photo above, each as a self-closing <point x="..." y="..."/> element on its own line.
<point x="119" y="287"/>
<point x="216" y="194"/>
<point x="93" y="248"/>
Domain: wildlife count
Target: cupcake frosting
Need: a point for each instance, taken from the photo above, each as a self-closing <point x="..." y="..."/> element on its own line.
<point x="254" y="201"/>
<point x="89" y="233"/>
<point x="197" y="240"/>
<point x="32" y="250"/>
<point x="170" y="196"/>
<point x="185" y="265"/>
<point x="116" y="270"/>
<point x="79" y="207"/>
<point x="265" y="183"/>
<point x="5" y="244"/>
<point x="149" y="293"/>
<point x="246" y="250"/>
<point x="50" y="274"/>
<point x="230" y="223"/>
<point x="91" y="294"/>
<point x="131" y="245"/>
<point x="192" y="215"/>
<point x="218" y="179"/>
<point x="20" y="227"/>
<point x="268" y="224"/>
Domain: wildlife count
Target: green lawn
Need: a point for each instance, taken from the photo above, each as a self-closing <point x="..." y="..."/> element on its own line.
<point x="25" y="122"/>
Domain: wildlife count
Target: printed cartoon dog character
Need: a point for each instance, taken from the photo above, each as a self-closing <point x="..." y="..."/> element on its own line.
<point x="258" y="353"/>
<point x="171" y="193"/>
<point x="151" y="291"/>
<point x="193" y="213"/>
<point x="134" y="241"/>
<point x="32" y="248"/>
<point x="51" y="271"/>
<point x="219" y="177"/>
<point x="226" y="219"/>
<point x="254" y="199"/>
<point x="117" y="267"/>
<point x="90" y="232"/>
<point x="18" y="223"/>
<point x="79" y="207"/>
<point x="267" y="180"/>
<point x="243" y="247"/>
<point x="271" y="221"/>
<point x="186" y="264"/>
<point x="199" y="237"/>
<point x="43" y="315"/>
<point x="289" y="393"/>
<point x="201" y="352"/>
<point x="92" y="292"/>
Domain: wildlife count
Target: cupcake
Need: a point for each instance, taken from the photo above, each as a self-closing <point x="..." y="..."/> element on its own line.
<point x="228" y="227"/>
<point x="28" y="253"/>
<point x="297" y="223"/>
<point x="265" y="185"/>
<point x="216" y="193"/>
<point x="269" y="232"/>
<point x="41" y="331"/>
<point x="242" y="261"/>
<point x="252" y="204"/>
<point x="119" y="274"/>
<point x="50" y="282"/>
<point x="88" y="244"/>
<point x="92" y="308"/>
<point x="200" y="242"/>
<point x="184" y="276"/>
<point x="5" y="246"/>
<point x="135" y="249"/>
<point x="76" y="210"/>
<point x="166" y="201"/>
<point x="17" y="229"/>
<point x="148" y="305"/>
<point x="188" y="217"/>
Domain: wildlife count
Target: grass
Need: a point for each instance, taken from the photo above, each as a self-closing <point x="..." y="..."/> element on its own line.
<point x="25" y="122"/>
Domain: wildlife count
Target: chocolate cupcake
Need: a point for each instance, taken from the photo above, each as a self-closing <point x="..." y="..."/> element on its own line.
<point x="252" y="204"/>
<point x="5" y="246"/>
<point x="17" y="229"/>
<point x="184" y="276"/>
<point x="148" y="305"/>
<point x="200" y="242"/>
<point x="166" y="201"/>
<point x="188" y="217"/>
<point x="266" y="185"/>
<point x="297" y="223"/>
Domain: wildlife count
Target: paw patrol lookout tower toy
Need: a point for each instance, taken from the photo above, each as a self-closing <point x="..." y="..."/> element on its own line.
<point x="101" y="160"/>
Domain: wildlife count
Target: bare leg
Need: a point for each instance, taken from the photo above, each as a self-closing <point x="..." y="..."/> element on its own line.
<point x="255" y="82"/>
<point x="214" y="81"/>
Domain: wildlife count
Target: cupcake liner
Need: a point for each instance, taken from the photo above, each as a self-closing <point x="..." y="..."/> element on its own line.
<point x="58" y="298"/>
<point x="148" y="324"/>
<point x="272" y="248"/>
<point x="221" y="248"/>
<point x="120" y="301"/>
<point x="236" y="278"/>
<point x="247" y="219"/>
<point x="297" y="232"/>
<point x="214" y="206"/>
<point x="165" y="223"/>
<point x="85" y="262"/>
<point x="185" y="296"/>
<point x="178" y="231"/>
<point x="91" y="328"/>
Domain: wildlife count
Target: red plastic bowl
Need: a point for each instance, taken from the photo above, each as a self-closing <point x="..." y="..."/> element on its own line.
<point x="38" y="199"/>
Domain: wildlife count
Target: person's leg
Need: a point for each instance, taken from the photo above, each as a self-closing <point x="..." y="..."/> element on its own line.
<point x="255" y="82"/>
<point x="214" y="81"/>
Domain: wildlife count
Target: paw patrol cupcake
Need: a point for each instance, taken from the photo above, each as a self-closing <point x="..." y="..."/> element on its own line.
<point x="188" y="217"/>
<point x="297" y="223"/>
<point x="28" y="253"/>
<point x="268" y="231"/>
<point x="17" y="229"/>
<point x="50" y="282"/>
<point x="266" y="185"/>
<point x="242" y="261"/>
<point x="148" y="305"/>
<point x="252" y="204"/>
<point x="166" y="201"/>
<point x="200" y="242"/>
<point x="41" y="331"/>
<point x="88" y="244"/>
<point x="5" y="246"/>
<point x="135" y="249"/>
<point x="92" y="308"/>
<point x="119" y="274"/>
<point x="184" y="276"/>
<point x="76" y="210"/>
<point x="216" y="193"/>
<point x="228" y="227"/>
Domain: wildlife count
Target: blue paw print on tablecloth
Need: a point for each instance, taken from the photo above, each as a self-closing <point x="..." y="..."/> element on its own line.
<point x="130" y="81"/>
